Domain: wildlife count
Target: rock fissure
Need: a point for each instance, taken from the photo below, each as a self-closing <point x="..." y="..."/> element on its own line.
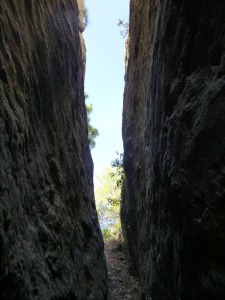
<point x="173" y="210"/>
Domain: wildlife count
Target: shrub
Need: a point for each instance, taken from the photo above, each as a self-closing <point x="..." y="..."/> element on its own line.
<point x="106" y="233"/>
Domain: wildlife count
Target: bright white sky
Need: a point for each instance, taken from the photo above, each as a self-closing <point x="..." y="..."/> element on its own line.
<point x="105" y="76"/>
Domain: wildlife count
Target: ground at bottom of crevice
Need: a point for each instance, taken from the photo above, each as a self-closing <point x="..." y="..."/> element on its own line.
<point x="122" y="285"/>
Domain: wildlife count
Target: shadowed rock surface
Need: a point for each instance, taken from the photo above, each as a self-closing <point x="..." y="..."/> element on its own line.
<point x="173" y="130"/>
<point x="50" y="242"/>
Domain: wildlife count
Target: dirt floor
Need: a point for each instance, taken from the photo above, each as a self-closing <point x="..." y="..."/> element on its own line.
<point x="122" y="285"/>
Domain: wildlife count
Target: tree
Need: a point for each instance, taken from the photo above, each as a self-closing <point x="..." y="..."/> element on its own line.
<point x="92" y="131"/>
<point x="108" y="198"/>
<point x="105" y="190"/>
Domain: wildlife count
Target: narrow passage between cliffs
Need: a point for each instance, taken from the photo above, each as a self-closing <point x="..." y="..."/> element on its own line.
<point x="105" y="41"/>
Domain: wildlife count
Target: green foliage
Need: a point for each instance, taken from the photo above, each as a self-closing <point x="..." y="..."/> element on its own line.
<point x="92" y="131"/>
<point x="106" y="233"/>
<point x="118" y="175"/>
<point x="85" y="17"/>
<point x="125" y="28"/>
<point x="116" y="231"/>
<point x="104" y="190"/>
<point x="118" y="164"/>
<point x="108" y="199"/>
<point x="92" y="134"/>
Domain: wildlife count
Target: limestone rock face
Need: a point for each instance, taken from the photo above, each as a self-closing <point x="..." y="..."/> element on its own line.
<point x="50" y="242"/>
<point x="173" y="209"/>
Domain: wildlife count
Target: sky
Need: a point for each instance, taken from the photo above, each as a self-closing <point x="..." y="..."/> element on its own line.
<point x="104" y="80"/>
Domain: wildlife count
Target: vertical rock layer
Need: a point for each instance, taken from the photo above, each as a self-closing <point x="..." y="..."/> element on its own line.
<point x="173" y="209"/>
<point x="50" y="243"/>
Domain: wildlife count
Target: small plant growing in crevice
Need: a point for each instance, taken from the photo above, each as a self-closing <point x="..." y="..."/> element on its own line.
<point x="125" y="28"/>
<point x="85" y="17"/>
<point x="92" y="131"/>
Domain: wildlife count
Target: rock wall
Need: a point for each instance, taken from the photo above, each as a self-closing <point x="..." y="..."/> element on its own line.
<point x="50" y="242"/>
<point x="173" y="209"/>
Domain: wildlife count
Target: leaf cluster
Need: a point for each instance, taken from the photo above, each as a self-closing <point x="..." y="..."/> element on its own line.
<point x="118" y="175"/>
<point x="108" y="198"/>
<point x="92" y="131"/>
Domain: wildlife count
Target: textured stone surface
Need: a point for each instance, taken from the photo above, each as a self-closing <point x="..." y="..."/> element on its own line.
<point x="50" y="242"/>
<point x="173" y="129"/>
